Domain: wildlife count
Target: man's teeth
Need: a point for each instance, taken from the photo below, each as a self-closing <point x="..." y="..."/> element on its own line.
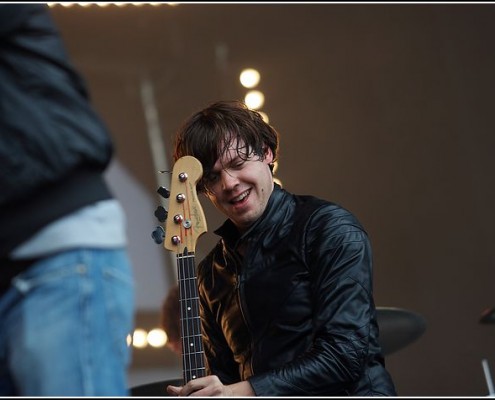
<point x="240" y="197"/>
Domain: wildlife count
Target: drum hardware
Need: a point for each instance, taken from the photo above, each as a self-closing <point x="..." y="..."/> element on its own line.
<point x="488" y="317"/>
<point x="398" y="328"/>
<point x="488" y="377"/>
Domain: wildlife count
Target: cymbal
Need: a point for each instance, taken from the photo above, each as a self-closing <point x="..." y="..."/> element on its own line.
<point x="398" y="328"/>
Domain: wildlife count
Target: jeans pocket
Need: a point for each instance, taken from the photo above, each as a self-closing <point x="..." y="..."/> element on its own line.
<point x="119" y="301"/>
<point x="45" y="273"/>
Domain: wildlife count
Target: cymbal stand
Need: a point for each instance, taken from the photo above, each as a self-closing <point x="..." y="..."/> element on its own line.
<point x="488" y="317"/>
<point x="488" y="377"/>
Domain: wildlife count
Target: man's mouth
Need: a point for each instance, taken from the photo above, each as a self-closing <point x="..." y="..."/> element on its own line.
<point x="241" y="197"/>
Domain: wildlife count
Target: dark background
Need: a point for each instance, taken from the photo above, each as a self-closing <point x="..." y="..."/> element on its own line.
<point x="387" y="109"/>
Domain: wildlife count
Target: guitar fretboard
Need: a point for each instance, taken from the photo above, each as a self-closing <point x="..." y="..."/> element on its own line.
<point x="192" y="345"/>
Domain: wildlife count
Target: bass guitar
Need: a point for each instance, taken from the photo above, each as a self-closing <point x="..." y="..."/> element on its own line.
<point x="184" y="225"/>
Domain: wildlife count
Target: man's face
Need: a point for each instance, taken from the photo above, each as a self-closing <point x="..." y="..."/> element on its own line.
<point x="240" y="187"/>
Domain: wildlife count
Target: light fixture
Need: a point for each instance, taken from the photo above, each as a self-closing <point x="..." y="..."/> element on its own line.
<point x="249" y="78"/>
<point x="105" y="4"/>
<point x="275" y="166"/>
<point x="264" y="116"/>
<point x="157" y="337"/>
<point x="254" y="99"/>
<point x="139" y="338"/>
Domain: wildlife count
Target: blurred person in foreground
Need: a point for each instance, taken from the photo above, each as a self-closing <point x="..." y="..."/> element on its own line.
<point x="66" y="286"/>
<point x="286" y="295"/>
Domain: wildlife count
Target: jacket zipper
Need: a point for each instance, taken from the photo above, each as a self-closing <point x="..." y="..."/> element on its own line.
<point x="239" y="300"/>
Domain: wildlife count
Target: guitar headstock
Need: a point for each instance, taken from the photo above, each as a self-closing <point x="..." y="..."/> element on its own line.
<point x="186" y="221"/>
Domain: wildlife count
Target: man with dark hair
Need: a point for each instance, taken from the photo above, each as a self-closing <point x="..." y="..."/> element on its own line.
<point x="286" y="295"/>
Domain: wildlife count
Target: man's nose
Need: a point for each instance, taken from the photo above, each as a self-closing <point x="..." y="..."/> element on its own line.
<point x="229" y="179"/>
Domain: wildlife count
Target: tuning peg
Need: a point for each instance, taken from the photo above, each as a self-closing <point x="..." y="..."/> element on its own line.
<point x="161" y="213"/>
<point x="164" y="192"/>
<point x="158" y="235"/>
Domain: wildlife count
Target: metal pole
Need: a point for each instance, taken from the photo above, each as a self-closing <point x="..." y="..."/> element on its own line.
<point x="155" y="140"/>
<point x="488" y="377"/>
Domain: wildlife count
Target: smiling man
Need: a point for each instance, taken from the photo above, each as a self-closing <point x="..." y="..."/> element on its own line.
<point x="240" y="184"/>
<point x="286" y="295"/>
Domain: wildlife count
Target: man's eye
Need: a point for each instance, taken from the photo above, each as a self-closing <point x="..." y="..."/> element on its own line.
<point x="211" y="177"/>
<point x="238" y="164"/>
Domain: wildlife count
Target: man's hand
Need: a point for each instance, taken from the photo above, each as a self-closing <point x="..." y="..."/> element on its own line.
<point x="211" y="386"/>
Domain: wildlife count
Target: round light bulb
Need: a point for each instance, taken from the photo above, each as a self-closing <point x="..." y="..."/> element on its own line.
<point x="249" y="78"/>
<point x="157" y="337"/>
<point x="139" y="338"/>
<point x="264" y="116"/>
<point x="254" y="99"/>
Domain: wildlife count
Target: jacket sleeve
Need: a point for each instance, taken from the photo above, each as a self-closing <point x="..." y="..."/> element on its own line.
<point x="338" y="254"/>
<point x="49" y="128"/>
<point x="13" y="15"/>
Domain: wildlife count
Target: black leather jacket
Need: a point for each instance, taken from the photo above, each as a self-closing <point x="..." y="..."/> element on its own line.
<point x="304" y="291"/>
<point x="53" y="146"/>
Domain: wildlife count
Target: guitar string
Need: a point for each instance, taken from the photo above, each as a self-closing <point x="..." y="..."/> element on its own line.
<point x="190" y="331"/>
<point x="195" y="319"/>
<point x="182" y="275"/>
<point x="197" y="327"/>
<point x="191" y="327"/>
<point x="182" y="315"/>
<point x="190" y="321"/>
<point x="187" y="238"/>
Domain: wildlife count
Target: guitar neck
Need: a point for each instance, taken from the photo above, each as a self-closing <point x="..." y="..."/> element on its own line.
<point x="193" y="365"/>
<point x="184" y="226"/>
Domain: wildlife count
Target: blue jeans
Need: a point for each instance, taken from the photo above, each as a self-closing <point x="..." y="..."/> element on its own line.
<point x="64" y="323"/>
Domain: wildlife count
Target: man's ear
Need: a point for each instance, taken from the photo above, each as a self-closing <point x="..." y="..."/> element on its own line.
<point x="268" y="155"/>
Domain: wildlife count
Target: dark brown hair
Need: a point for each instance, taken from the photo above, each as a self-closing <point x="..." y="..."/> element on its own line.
<point x="208" y="134"/>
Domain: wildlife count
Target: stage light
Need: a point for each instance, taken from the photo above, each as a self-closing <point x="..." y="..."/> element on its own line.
<point x="264" y="115"/>
<point x="254" y="99"/>
<point x="157" y="337"/>
<point x="139" y="338"/>
<point x="249" y="78"/>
